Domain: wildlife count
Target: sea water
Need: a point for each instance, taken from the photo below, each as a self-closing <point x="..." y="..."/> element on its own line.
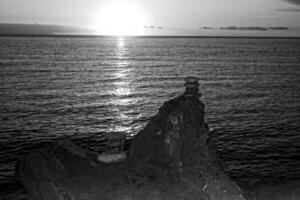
<point x="83" y="87"/>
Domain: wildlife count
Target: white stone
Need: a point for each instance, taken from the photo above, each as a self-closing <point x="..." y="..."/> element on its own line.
<point x="111" y="158"/>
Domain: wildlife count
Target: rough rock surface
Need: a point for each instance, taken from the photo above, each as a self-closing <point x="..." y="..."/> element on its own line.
<point x="171" y="159"/>
<point x="176" y="146"/>
<point x="283" y="191"/>
<point x="275" y="190"/>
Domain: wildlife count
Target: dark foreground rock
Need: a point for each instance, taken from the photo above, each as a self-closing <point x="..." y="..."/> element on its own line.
<point x="274" y="190"/>
<point x="171" y="159"/>
<point x="280" y="191"/>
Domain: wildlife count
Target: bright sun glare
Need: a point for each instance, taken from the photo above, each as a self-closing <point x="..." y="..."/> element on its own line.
<point x="120" y="19"/>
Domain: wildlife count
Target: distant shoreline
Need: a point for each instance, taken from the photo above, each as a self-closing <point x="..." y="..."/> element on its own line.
<point x="145" y="36"/>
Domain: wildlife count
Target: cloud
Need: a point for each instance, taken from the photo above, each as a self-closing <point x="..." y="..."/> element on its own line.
<point x="253" y="28"/>
<point x="263" y="16"/>
<point x="153" y="27"/>
<point x="288" y="10"/>
<point x="206" y="28"/>
<point x="41" y="29"/>
<point x="297" y="2"/>
<point x="280" y="28"/>
<point x="250" y="28"/>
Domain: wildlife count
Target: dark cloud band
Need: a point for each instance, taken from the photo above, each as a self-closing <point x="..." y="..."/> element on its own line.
<point x="297" y="2"/>
<point x="253" y="28"/>
<point x="288" y="10"/>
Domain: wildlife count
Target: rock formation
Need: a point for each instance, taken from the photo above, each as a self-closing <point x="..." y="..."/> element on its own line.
<point x="173" y="158"/>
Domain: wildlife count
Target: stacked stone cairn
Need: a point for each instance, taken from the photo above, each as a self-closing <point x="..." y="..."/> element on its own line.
<point x="191" y="87"/>
<point x="114" y="148"/>
<point x="115" y="142"/>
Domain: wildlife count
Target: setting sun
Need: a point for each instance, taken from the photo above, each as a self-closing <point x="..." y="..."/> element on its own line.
<point x="120" y="19"/>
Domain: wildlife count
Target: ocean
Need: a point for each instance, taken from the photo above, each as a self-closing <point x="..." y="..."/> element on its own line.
<point x="82" y="87"/>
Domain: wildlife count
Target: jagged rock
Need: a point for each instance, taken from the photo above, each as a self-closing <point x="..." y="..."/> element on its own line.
<point x="171" y="159"/>
<point x="175" y="145"/>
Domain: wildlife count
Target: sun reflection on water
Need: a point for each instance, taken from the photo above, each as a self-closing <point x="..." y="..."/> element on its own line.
<point x="121" y="42"/>
<point x="122" y="72"/>
<point x="122" y="88"/>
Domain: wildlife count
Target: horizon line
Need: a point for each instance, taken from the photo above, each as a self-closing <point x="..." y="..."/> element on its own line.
<point x="141" y="36"/>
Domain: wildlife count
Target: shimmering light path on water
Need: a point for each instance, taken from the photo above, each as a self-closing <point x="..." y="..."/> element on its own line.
<point x="81" y="87"/>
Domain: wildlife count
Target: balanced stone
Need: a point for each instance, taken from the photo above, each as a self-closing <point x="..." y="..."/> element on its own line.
<point x="115" y="136"/>
<point x="191" y="79"/>
<point x="192" y="87"/>
<point x="115" y="142"/>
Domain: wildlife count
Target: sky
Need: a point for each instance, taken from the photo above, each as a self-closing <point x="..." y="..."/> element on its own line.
<point x="161" y="17"/>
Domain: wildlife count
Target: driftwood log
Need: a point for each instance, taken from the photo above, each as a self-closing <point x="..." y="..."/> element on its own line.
<point x="173" y="158"/>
